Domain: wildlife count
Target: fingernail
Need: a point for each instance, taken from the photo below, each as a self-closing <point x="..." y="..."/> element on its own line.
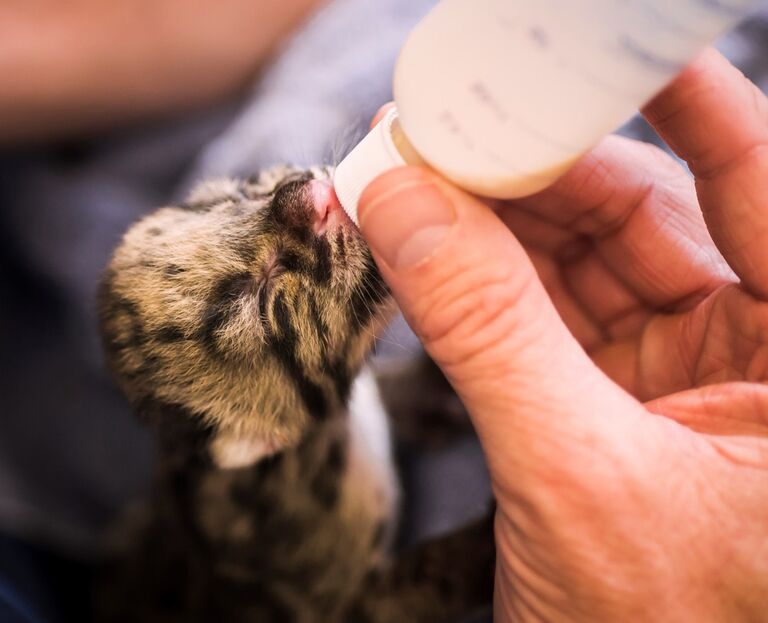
<point x="407" y="223"/>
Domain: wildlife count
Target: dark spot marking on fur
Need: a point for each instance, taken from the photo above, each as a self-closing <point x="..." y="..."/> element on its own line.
<point x="260" y="196"/>
<point x="372" y="292"/>
<point x="140" y="367"/>
<point x="315" y="266"/>
<point x="234" y="286"/>
<point x="171" y="270"/>
<point x="270" y="464"/>
<point x="322" y="272"/>
<point x="183" y="435"/>
<point x="214" y="318"/>
<point x="325" y="478"/>
<point x="340" y="376"/>
<point x="255" y="498"/>
<point x="154" y="231"/>
<point x="293" y="262"/>
<point x="254" y="189"/>
<point x="257" y="490"/>
<point x="204" y="206"/>
<point x="337" y="456"/>
<point x="263" y="300"/>
<point x="121" y="322"/>
<point x="318" y="323"/>
<point x="324" y="486"/>
<point x="200" y="207"/>
<point x="149" y="366"/>
<point x="341" y="247"/>
<point x="220" y="305"/>
<point x="284" y="344"/>
<point x="169" y="334"/>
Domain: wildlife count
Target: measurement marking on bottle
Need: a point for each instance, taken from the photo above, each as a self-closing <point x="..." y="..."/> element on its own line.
<point x="648" y="58"/>
<point x="539" y="36"/>
<point x="483" y="95"/>
<point x="453" y="126"/>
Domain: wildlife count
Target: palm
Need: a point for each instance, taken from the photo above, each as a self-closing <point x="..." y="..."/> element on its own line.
<point x="722" y="339"/>
<point x="707" y="337"/>
<point x="624" y="252"/>
<point x="637" y="277"/>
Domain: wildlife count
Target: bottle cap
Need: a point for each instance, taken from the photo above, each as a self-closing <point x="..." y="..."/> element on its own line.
<point x="372" y="156"/>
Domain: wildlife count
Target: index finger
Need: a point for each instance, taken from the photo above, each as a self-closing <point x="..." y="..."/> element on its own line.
<point x="714" y="118"/>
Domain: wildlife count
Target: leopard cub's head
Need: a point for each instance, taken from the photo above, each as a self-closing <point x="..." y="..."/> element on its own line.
<point x="249" y="308"/>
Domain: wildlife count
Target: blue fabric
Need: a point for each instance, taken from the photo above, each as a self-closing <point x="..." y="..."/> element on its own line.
<point x="40" y="586"/>
<point x="14" y="607"/>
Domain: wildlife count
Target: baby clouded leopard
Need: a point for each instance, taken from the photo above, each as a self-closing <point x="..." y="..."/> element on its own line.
<point x="238" y="324"/>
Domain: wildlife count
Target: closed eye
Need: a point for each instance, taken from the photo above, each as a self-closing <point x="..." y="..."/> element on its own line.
<point x="272" y="272"/>
<point x="233" y="287"/>
<point x="264" y="293"/>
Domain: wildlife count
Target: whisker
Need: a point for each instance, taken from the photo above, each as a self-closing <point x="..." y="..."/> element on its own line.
<point x="343" y="142"/>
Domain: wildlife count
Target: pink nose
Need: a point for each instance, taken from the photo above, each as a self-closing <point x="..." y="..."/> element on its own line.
<point x="324" y="199"/>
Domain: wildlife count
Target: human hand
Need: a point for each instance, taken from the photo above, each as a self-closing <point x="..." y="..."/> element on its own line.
<point x="611" y="347"/>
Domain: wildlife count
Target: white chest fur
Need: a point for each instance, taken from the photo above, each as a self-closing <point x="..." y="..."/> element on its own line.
<point x="370" y="483"/>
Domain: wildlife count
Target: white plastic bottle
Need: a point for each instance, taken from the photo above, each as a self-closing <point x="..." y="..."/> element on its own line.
<point x="502" y="96"/>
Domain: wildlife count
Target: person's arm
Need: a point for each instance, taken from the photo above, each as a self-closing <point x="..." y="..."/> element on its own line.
<point x="86" y="64"/>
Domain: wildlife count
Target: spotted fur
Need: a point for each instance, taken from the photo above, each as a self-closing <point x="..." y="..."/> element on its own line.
<point x="238" y="330"/>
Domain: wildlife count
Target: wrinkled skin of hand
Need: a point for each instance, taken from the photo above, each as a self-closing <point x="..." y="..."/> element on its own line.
<point x="613" y="356"/>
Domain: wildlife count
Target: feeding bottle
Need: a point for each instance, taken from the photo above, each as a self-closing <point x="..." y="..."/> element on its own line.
<point x="502" y="96"/>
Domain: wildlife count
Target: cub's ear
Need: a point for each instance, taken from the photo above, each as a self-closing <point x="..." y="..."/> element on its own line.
<point x="230" y="451"/>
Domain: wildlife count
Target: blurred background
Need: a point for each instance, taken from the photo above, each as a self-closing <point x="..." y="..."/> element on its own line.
<point x="108" y="109"/>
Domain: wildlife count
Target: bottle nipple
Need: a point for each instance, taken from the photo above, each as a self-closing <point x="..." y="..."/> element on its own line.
<point x="376" y="153"/>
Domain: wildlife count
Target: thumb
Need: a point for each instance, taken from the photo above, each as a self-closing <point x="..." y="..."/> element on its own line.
<point x="472" y="295"/>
